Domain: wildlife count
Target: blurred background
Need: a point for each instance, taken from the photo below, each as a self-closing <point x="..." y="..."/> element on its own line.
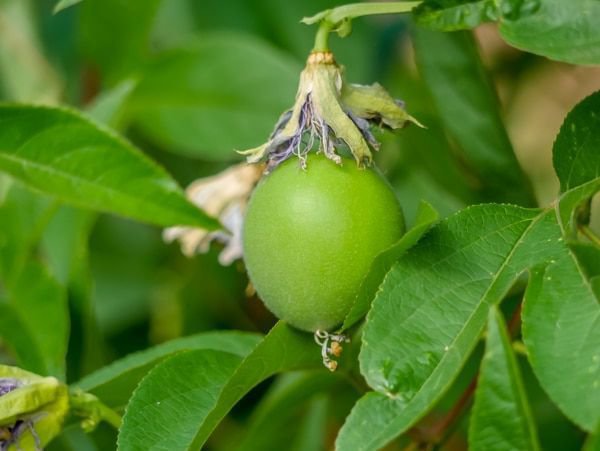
<point x="190" y="81"/>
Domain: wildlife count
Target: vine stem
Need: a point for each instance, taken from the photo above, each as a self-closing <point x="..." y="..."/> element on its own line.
<point x="110" y="416"/>
<point x="330" y="19"/>
<point x="589" y="234"/>
<point x="93" y="410"/>
<point x="322" y="37"/>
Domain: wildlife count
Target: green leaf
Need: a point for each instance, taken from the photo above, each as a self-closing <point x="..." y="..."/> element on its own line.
<point x="426" y="217"/>
<point x="65" y="155"/>
<point x="365" y="427"/>
<point x="35" y="322"/>
<point x="561" y="329"/>
<point x="64" y="4"/>
<point x="576" y="158"/>
<point x="575" y="152"/>
<point x="501" y="418"/>
<point x="588" y="258"/>
<point x="574" y="201"/>
<point x="561" y="30"/>
<point x="174" y="399"/>
<point x="64" y="244"/>
<point x="160" y="414"/>
<point x="109" y="106"/>
<point x="24" y="216"/>
<point x="452" y="15"/>
<point x="436" y="300"/>
<point x="114" y="383"/>
<point x="450" y="279"/>
<point x="468" y="107"/>
<point x="25" y="73"/>
<point x="114" y="36"/>
<point x="593" y="442"/>
<point x="214" y="96"/>
<point x="285" y="405"/>
<point x="313" y="427"/>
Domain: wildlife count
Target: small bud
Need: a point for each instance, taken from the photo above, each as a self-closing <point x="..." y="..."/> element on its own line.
<point x="32" y="408"/>
<point x="332" y="365"/>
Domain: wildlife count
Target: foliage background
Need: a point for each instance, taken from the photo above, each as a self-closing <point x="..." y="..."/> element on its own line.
<point x="188" y="82"/>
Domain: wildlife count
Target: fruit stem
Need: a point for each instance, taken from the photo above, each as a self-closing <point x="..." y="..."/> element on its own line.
<point x="322" y="37"/>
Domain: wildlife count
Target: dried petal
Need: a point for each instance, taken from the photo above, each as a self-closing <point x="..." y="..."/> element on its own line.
<point x="223" y="196"/>
<point x="333" y="112"/>
<point x="327" y="83"/>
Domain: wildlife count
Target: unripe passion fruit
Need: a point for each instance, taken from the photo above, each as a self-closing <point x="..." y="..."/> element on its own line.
<point x="311" y="235"/>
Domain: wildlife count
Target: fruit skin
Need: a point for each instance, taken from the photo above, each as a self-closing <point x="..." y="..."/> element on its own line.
<point x="311" y="235"/>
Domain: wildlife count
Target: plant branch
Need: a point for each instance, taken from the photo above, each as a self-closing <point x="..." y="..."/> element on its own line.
<point x="92" y="410"/>
<point x="440" y="429"/>
<point x="338" y="19"/>
<point x="353" y="10"/>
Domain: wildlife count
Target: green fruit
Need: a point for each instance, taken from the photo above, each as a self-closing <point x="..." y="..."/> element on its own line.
<point x="311" y="235"/>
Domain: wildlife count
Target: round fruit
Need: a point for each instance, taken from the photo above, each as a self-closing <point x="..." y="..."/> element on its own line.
<point x="311" y="235"/>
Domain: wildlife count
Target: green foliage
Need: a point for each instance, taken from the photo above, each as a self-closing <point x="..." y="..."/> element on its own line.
<point x="35" y="322"/>
<point x="561" y="293"/>
<point x="211" y="110"/>
<point x="63" y="4"/>
<point x="104" y="24"/>
<point x="563" y="31"/>
<point x="276" y="421"/>
<point x="63" y="154"/>
<point x="500" y="401"/>
<point x="173" y="400"/>
<point x="426" y="217"/>
<point x="215" y="381"/>
<point x="461" y="90"/>
<point x="104" y="319"/>
<point x="575" y="149"/>
<point x="413" y="367"/>
<point x="115" y="383"/>
<point x="576" y="161"/>
<point x="452" y="15"/>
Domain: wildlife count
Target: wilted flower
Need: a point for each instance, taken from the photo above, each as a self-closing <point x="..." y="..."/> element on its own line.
<point x="223" y="196"/>
<point x="332" y="111"/>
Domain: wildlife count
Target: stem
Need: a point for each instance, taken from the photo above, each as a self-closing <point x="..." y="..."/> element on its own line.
<point x="589" y="234"/>
<point x="443" y="427"/>
<point x="322" y="37"/>
<point x="515" y="321"/>
<point x="110" y="416"/>
<point x="330" y="19"/>
<point x="92" y="410"/>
